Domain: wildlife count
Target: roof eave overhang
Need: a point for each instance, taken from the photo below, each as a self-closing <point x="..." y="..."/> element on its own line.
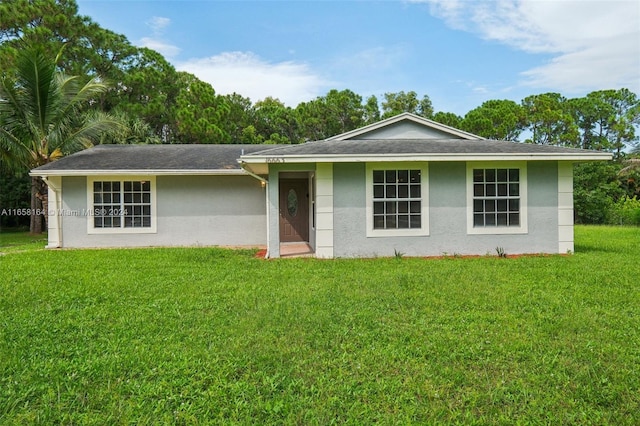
<point x="278" y="159"/>
<point x="140" y="172"/>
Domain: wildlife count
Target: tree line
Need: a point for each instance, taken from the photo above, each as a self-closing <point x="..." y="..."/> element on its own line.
<point x="148" y="101"/>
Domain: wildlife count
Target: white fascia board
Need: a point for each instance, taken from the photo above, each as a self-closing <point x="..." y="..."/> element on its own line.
<point x="148" y="172"/>
<point x="336" y="158"/>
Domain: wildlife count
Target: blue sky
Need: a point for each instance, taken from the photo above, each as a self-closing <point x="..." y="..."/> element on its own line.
<point x="458" y="52"/>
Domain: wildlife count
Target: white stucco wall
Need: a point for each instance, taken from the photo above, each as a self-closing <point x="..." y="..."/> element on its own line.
<point x="447" y="215"/>
<point x="191" y="211"/>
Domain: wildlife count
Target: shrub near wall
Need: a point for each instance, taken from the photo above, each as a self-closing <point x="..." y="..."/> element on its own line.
<point x="625" y="211"/>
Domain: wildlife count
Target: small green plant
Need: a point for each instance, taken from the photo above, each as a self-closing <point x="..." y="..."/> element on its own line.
<point x="397" y="254"/>
<point x="500" y="251"/>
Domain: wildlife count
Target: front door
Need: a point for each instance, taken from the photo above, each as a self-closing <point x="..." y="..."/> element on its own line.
<point x="294" y="210"/>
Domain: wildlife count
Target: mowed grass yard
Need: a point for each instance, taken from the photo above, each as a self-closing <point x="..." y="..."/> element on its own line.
<point x="214" y="336"/>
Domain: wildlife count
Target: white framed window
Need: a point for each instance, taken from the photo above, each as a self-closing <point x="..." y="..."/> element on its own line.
<point x="124" y="204"/>
<point x="397" y="199"/>
<point x="497" y="198"/>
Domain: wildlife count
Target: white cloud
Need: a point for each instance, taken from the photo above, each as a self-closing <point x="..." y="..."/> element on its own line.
<point x="166" y="49"/>
<point x="595" y="44"/>
<point x="158" y="24"/>
<point x="375" y="58"/>
<point x="250" y="76"/>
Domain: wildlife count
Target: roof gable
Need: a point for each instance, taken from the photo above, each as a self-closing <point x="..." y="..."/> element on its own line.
<point x="405" y="126"/>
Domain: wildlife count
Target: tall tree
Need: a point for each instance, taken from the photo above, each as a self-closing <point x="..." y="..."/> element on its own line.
<point x="43" y="116"/>
<point x="448" y="118"/>
<point x="496" y="119"/>
<point x="397" y="103"/>
<point x="198" y="112"/>
<point x="240" y="117"/>
<point x="337" y="112"/>
<point x="607" y="119"/>
<point x="148" y="89"/>
<point x="371" y="110"/>
<point x="275" y="122"/>
<point x="549" y="121"/>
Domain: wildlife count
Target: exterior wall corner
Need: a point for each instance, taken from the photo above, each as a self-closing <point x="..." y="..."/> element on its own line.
<point x="565" y="207"/>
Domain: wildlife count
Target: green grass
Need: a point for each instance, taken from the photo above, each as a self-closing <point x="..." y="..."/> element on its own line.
<point x="203" y="335"/>
<point x="12" y="240"/>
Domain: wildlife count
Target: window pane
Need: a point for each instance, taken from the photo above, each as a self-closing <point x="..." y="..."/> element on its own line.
<point x="403" y="191"/>
<point x="391" y="191"/>
<point x="378" y="191"/>
<point x="128" y="197"/>
<point x="514" y="189"/>
<point x="514" y="175"/>
<point x="403" y="207"/>
<point x="115" y="186"/>
<point x="478" y="190"/>
<point x="116" y="222"/>
<point x="502" y="189"/>
<point x="106" y="186"/>
<point x="390" y="176"/>
<point x="378" y="176"/>
<point x="514" y="205"/>
<point x="403" y="221"/>
<point x="97" y="186"/>
<point x="502" y="175"/>
<point x="478" y="175"/>
<point x="478" y="206"/>
<point x="146" y="197"/>
<point x="391" y="221"/>
<point x="415" y="191"/>
<point x="489" y="205"/>
<point x="416" y="221"/>
<point x="502" y="219"/>
<point x="478" y="220"/>
<point x="146" y="186"/>
<point x="514" y="219"/>
<point x="403" y="176"/>
<point x="390" y="207"/>
<point x="378" y="222"/>
<point x="415" y="206"/>
<point x="415" y="176"/>
<point x="97" y="222"/>
<point x="116" y="197"/>
<point x="490" y="219"/>
<point x="378" y="208"/>
<point x="137" y="198"/>
<point x="97" y="198"/>
<point x="490" y="175"/>
<point x="490" y="190"/>
<point x="502" y="205"/>
<point x="127" y="186"/>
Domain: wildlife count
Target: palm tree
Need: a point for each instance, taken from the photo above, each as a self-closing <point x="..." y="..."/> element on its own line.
<point x="45" y="115"/>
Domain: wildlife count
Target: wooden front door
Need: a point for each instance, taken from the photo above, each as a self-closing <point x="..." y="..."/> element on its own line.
<point x="294" y="210"/>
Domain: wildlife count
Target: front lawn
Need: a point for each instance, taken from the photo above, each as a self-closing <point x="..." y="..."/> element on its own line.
<point x="205" y="335"/>
<point x="15" y="240"/>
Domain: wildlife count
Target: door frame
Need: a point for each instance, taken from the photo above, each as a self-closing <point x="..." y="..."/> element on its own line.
<point x="308" y="177"/>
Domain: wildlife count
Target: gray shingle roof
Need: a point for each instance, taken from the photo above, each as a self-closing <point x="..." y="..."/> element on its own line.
<point x="154" y="157"/>
<point x="412" y="146"/>
<point x="225" y="157"/>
